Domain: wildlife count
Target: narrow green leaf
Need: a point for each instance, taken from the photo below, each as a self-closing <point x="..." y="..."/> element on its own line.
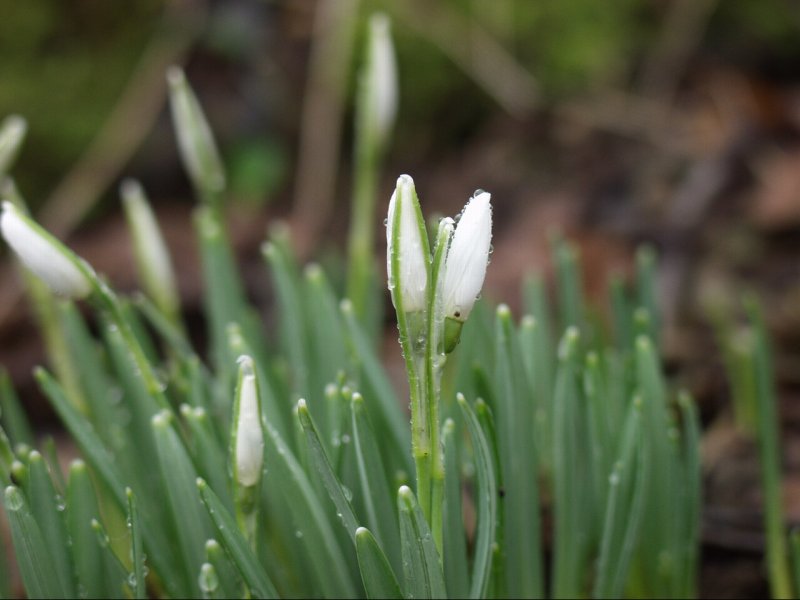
<point x="323" y="466"/>
<point x="82" y="507"/>
<point x="375" y="490"/>
<point x="570" y="289"/>
<point x="104" y="464"/>
<point x="769" y="455"/>
<point x="117" y="573"/>
<point x="646" y="289"/>
<point x="33" y="557"/>
<point x="178" y="476"/>
<point x="794" y="543"/>
<point x="376" y="572"/>
<point x="625" y="504"/>
<point x="209" y="455"/>
<point x="328" y="352"/>
<point x="514" y="413"/>
<point x="13" y="417"/>
<point x="487" y="503"/>
<point x="692" y="489"/>
<point x="421" y="567"/>
<point x="83" y="433"/>
<point x="47" y="507"/>
<point x="137" y="581"/>
<point x="254" y="576"/>
<point x="456" y="570"/>
<point x="379" y="395"/>
<point x="311" y="520"/>
<point x="294" y="335"/>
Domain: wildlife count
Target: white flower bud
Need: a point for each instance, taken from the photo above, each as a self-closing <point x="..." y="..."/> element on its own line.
<point x="407" y="257"/>
<point x="150" y="250"/>
<point x="51" y="261"/>
<point x="249" y="450"/>
<point x="381" y="77"/>
<point x="195" y="140"/>
<point x="468" y="257"/>
<point x="12" y="133"/>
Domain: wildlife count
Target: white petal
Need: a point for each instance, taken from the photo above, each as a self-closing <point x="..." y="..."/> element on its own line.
<point x="249" y="435"/>
<point x="468" y="257"/>
<point x="46" y="258"/>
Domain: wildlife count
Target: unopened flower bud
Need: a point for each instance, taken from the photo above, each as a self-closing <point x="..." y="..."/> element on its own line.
<point x="381" y="78"/>
<point x="467" y="259"/>
<point x="150" y="250"/>
<point x="195" y="140"/>
<point x="50" y="260"/>
<point x="248" y="434"/>
<point x="408" y="255"/>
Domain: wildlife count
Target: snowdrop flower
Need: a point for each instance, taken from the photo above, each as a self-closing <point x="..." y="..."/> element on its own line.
<point x="408" y="256"/>
<point x="195" y="140"/>
<point x="381" y="77"/>
<point x="467" y="258"/>
<point x="248" y="434"/>
<point x="150" y="250"/>
<point x="55" y="264"/>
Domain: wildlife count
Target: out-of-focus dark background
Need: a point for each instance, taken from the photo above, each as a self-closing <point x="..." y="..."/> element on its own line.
<point x="672" y="122"/>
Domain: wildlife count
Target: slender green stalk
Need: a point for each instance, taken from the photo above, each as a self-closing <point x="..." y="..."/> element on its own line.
<point x="769" y="451"/>
<point x="435" y="358"/>
<point x="375" y="109"/>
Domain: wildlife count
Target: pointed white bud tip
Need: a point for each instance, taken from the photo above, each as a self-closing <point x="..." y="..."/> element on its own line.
<point x="48" y="259"/>
<point x="407" y="256"/>
<point x="249" y="434"/>
<point x="468" y="257"/>
<point x="382" y="76"/>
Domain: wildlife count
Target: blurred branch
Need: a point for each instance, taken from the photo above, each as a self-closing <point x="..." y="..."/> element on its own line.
<point x="130" y="121"/>
<point x="321" y="120"/>
<point x="475" y="51"/>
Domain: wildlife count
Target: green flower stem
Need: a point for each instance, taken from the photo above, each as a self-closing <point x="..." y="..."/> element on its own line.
<point x="435" y="358"/>
<point x="246" y="504"/>
<point x="769" y="450"/>
<point x="362" y="239"/>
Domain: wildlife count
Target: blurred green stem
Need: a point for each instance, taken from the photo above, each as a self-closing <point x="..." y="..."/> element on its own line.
<point x="769" y="450"/>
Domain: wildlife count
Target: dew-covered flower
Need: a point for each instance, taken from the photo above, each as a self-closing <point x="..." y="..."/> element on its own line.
<point x="468" y="257"/>
<point x="249" y="436"/>
<point x="408" y="256"/>
<point x="55" y="264"/>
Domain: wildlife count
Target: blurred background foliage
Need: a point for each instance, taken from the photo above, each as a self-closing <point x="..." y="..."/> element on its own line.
<point x="65" y="66"/>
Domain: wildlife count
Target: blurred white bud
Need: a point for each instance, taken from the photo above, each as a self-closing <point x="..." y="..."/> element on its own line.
<point x="12" y="133"/>
<point x="150" y="251"/>
<point x="55" y="264"/>
<point x="381" y="92"/>
<point x="249" y="435"/>
<point x="195" y="140"/>
<point x="407" y="256"/>
<point x="468" y="257"/>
